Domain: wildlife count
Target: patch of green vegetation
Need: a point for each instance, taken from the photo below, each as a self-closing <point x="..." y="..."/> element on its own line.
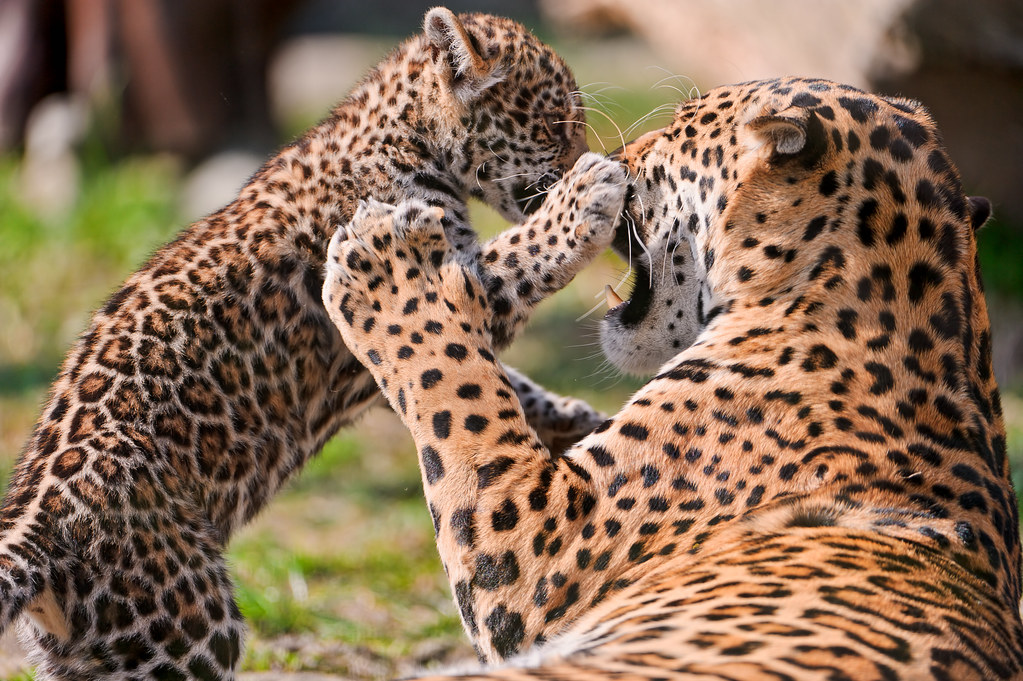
<point x="1000" y="248"/>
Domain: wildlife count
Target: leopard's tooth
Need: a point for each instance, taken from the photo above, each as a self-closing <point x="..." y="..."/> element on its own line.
<point x="613" y="299"/>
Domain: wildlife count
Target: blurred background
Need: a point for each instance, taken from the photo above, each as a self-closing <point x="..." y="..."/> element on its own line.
<point x="123" y="120"/>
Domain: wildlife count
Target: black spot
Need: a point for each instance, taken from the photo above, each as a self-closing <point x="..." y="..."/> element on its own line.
<point x="900" y="150"/>
<point x="898" y="229"/>
<point x="925" y="193"/>
<point x="814" y="227"/>
<point x="948" y="245"/>
<point x="463" y="522"/>
<point x="601" y="456"/>
<point x="847" y="322"/>
<point x="506" y="517"/>
<point x="864" y="217"/>
<point x="948" y="321"/>
<point x="433" y="467"/>
<point x="819" y="357"/>
<point x="883" y="380"/>
<point x="880" y="138"/>
<point x="489" y="473"/>
<point x="788" y="471"/>
<point x="859" y="108"/>
<point x="506" y="630"/>
<point x="431" y="377"/>
<point x="805" y="99"/>
<point x="921" y="277"/>
<point x="492" y="572"/>
<point x="463" y="596"/>
<point x="915" y="133"/>
<point x="634" y="431"/>
<point x="475" y="423"/>
<point x="456" y="351"/>
<point x="442" y="424"/>
<point x="469" y="391"/>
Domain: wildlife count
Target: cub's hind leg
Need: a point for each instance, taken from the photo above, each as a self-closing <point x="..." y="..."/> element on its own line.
<point x="159" y="605"/>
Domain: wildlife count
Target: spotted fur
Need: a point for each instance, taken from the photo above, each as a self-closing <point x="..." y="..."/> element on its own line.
<point x="214" y="373"/>
<point x="814" y="487"/>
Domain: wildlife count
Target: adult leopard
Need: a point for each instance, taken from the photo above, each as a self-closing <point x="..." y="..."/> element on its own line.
<point x="214" y="373"/>
<point x="814" y="485"/>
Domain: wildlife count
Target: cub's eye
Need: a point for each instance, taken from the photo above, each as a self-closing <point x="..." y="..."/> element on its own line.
<point x="556" y="125"/>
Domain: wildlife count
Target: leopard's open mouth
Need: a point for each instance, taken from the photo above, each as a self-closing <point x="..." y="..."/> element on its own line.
<point x="633" y="310"/>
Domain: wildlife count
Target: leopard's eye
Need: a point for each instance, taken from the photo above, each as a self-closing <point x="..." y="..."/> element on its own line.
<point x="556" y="125"/>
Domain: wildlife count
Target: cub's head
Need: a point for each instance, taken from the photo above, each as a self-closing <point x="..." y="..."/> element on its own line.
<point x="509" y="112"/>
<point x="771" y="201"/>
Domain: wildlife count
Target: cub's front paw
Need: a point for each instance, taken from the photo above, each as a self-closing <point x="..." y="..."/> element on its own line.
<point x="594" y="189"/>
<point x="392" y="281"/>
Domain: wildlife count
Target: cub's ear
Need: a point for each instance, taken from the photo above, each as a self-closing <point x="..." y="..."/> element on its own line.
<point x="794" y="132"/>
<point x="469" y="70"/>
<point x="980" y="211"/>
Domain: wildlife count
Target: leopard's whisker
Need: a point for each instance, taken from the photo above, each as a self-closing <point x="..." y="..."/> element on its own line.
<point x="609" y="120"/>
<point x="596" y="135"/>
<point x="659" y="110"/>
<point x="478" y="168"/>
<point x="635" y="229"/>
<point x="599" y="98"/>
<point x="589" y="312"/>
<point x="497" y="155"/>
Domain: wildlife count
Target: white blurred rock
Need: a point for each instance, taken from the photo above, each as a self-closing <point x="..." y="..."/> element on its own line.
<point x="49" y="175"/>
<point x="716" y="42"/>
<point x="216" y="182"/>
<point x="311" y="73"/>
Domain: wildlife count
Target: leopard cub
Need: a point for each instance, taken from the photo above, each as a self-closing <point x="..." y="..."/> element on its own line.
<point x="214" y="372"/>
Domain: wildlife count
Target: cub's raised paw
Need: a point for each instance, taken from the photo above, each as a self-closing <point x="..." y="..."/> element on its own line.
<point x="391" y="278"/>
<point x="595" y="189"/>
<point x="529" y="262"/>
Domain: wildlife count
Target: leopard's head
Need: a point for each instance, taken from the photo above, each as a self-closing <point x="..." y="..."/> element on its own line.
<point x="779" y="198"/>
<point x="515" y="116"/>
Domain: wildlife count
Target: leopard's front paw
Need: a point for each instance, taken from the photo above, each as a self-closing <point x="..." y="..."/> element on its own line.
<point x="391" y="280"/>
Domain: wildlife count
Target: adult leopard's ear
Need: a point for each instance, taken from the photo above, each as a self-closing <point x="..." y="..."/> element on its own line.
<point x="795" y="132"/>
<point x="980" y="211"/>
<point x="470" y="68"/>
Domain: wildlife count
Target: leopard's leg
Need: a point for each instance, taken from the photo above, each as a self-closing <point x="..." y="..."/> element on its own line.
<point x="430" y="350"/>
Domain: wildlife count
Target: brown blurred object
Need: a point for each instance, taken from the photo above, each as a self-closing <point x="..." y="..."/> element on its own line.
<point x="963" y="60"/>
<point x="188" y="76"/>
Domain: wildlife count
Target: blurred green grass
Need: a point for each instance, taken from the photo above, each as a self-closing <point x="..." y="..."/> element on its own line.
<point x="340" y="573"/>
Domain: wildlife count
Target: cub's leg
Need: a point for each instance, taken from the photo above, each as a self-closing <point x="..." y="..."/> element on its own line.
<point x="528" y="262"/>
<point x="558" y="420"/>
<point x="166" y="612"/>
